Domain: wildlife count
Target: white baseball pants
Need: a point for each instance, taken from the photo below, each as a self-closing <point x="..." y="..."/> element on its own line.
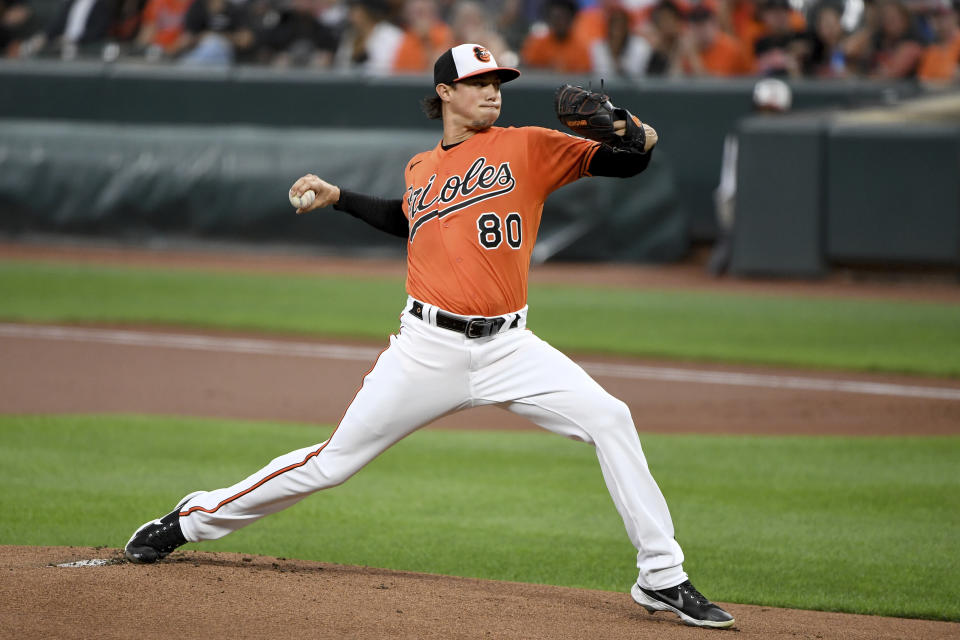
<point x="513" y="369"/>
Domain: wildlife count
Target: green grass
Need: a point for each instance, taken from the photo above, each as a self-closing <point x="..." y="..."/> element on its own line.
<point x="865" y="335"/>
<point x="866" y="525"/>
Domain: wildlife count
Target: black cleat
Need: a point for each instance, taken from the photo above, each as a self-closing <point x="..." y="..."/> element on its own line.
<point x="685" y="601"/>
<point x="156" y="539"/>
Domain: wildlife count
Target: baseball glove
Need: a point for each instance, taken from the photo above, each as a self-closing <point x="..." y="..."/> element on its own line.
<point x="591" y="115"/>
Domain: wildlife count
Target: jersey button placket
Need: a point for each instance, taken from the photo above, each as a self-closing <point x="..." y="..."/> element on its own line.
<point x="444" y="224"/>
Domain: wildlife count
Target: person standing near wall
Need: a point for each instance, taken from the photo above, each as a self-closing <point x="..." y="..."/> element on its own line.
<point x="770" y="96"/>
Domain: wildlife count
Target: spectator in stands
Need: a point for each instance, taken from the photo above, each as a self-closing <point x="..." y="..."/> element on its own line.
<point x="592" y="22"/>
<point x="395" y="11"/>
<point x="470" y="23"/>
<point x="14" y="19"/>
<point x="707" y="50"/>
<point x="741" y="19"/>
<point x="551" y="46"/>
<point x="425" y="37"/>
<point x="939" y="61"/>
<point x="297" y="35"/>
<point x="780" y="50"/>
<point x="511" y="21"/>
<point x="770" y="96"/>
<point x="663" y="32"/>
<point x="827" y="58"/>
<point x="370" y="42"/>
<point x="332" y="14"/>
<point x="445" y="9"/>
<point x="897" y="45"/>
<point x="162" y="27"/>
<point x="214" y="31"/>
<point x="78" y="24"/>
<point x="744" y="20"/>
<point x="127" y="17"/>
<point x="858" y="47"/>
<point x="621" y="52"/>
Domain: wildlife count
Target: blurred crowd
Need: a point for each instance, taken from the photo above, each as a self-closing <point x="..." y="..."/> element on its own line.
<point x="885" y="39"/>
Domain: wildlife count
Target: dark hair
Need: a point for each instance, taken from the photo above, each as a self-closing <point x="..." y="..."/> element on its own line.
<point x="668" y="5"/>
<point x="377" y="9"/>
<point x="433" y="107"/>
<point x="700" y="13"/>
<point x="570" y="5"/>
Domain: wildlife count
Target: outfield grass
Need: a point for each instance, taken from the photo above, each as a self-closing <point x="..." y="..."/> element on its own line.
<point x="864" y="335"/>
<point x="867" y="525"/>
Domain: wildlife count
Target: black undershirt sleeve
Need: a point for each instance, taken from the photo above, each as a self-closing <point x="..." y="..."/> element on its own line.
<point x="380" y="213"/>
<point x="618" y="163"/>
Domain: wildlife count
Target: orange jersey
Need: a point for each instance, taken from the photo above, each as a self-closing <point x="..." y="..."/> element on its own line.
<point x="939" y="61"/>
<point x="474" y="211"/>
<point x="725" y="57"/>
<point x="546" y="52"/>
<point x="413" y="56"/>
<point x="590" y="23"/>
<point x="167" y="17"/>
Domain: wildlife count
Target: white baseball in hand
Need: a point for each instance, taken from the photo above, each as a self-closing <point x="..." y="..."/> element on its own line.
<point x="301" y="201"/>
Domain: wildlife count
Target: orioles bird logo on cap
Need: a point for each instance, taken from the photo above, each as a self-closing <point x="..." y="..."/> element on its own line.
<point x="482" y="54"/>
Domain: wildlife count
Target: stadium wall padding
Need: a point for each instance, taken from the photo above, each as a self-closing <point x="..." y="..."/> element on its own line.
<point x="778" y="211"/>
<point x="820" y="191"/>
<point x="142" y="182"/>
<point x="893" y="193"/>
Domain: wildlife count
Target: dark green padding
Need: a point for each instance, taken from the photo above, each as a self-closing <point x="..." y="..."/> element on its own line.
<point x="779" y="223"/>
<point x="141" y="182"/>
<point x="892" y="193"/>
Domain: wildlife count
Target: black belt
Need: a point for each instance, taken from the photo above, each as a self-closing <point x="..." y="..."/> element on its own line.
<point x="472" y="328"/>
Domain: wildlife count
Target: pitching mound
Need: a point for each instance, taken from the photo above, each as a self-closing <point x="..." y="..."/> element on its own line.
<point x="58" y="592"/>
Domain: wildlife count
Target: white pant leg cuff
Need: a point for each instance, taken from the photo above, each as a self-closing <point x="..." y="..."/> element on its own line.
<point x="661" y="579"/>
<point x="187" y="527"/>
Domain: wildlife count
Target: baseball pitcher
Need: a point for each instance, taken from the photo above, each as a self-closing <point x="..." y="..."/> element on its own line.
<point x="470" y="215"/>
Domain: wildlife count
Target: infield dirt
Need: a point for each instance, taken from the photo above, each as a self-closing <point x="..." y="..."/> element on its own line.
<point x="220" y="595"/>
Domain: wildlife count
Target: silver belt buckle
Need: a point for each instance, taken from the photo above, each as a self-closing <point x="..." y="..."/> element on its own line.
<point x="482" y="328"/>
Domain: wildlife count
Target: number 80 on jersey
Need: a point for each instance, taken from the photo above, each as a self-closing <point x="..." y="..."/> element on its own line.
<point x="492" y="230"/>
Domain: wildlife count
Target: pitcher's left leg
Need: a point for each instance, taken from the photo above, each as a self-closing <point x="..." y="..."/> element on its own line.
<point x="534" y="380"/>
<point x="590" y="414"/>
<point x="541" y="383"/>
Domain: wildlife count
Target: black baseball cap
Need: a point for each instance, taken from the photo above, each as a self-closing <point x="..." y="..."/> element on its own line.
<point x="466" y="60"/>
